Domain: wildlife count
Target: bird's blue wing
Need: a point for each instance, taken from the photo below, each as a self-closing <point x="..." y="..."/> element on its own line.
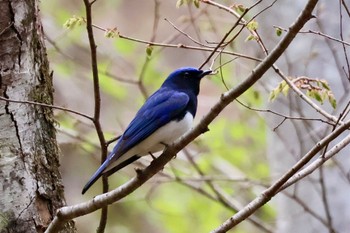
<point x="159" y="109"/>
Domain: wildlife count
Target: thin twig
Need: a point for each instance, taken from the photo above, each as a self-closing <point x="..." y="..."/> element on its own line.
<point x="47" y="106"/>
<point x="284" y="116"/>
<point x="181" y="46"/>
<point x="323" y="158"/>
<point x="187" y="35"/>
<point x="97" y="108"/>
<point x="227" y="34"/>
<point x="317" y="33"/>
<point x="342" y="38"/>
<point x="223" y="198"/>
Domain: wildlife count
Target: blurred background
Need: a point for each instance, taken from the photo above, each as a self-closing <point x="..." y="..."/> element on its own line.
<point x="248" y="146"/>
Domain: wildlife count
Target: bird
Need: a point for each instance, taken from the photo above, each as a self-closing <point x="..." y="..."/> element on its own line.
<point x="165" y="116"/>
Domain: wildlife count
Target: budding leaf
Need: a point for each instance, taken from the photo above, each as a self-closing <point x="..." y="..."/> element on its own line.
<point x="251" y="37"/>
<point x="253" y="25"/>
<point x="273" y="94"/>
<point x="318" y="96"/>
<point x="332" y="101"/>
<point x="149" y="50"/>
<point x="279" y="31"/>
<point x="179" y="3"/>
<point x="325" y="84"/>
<point x="285" y="89"/>
<point x="241" y="8"/>
<point x="111" y="33"/>
<point x="74" y="21"/>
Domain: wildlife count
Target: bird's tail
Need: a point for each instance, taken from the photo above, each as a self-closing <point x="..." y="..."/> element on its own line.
<point x="96" y="176"/>
<point x="104" y="170"/>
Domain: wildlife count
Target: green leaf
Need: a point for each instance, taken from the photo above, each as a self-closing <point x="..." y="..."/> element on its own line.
<point x="179" y="3"/>
<point x="253" y="25"/>
<point x="251" y="37"/>
<point x="241" y="8"/>
<point x="282" y="85"/>
<point x="74" y="21"/>
<point x="285" y="89"/>
<point x="279" y="31"/>
<point x="310" y="93"/>
<point x="149" y="50"/>
<point x="318" y="96"/>
<point x="332" y="100"/>
<point x="196" y="3"/>
<point x="111" y="33"/>
<point x="273" y="95"/>
<point x="324" y="84"/>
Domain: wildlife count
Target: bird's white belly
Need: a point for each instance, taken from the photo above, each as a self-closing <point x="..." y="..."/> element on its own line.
<point x="167" y="134"/>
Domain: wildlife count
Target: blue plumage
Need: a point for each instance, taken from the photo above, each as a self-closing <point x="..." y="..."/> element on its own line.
<point x="165" y="116"/>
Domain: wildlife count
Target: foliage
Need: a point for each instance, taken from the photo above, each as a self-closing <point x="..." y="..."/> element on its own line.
<point x="315" y="88"/>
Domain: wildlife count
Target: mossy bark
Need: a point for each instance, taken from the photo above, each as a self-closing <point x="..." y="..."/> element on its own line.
<point x="31" y="187"/>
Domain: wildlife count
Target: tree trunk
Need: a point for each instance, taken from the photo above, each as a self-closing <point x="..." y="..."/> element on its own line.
<point x="31" y="188"/>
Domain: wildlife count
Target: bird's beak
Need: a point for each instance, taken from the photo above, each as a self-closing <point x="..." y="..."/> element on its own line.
<point x="205" y="72"/>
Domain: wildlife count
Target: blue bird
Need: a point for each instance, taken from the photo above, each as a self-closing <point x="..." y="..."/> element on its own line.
<point x="165" y="116"/>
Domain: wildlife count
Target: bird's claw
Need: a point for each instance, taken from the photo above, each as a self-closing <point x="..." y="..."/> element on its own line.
<point x="138" y="171"/>
<point x="153" y="157"/>
<point x="164" y="144"/>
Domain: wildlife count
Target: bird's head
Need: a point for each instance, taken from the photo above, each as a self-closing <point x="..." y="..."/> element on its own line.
<point x="186" y="78"/>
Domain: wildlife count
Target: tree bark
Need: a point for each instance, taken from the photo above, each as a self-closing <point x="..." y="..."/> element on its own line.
<point x="31" y="189"/>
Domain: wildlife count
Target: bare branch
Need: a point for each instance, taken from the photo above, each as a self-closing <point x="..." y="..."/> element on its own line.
<point x="47" y="106"/>
<point x="97" y="108"/>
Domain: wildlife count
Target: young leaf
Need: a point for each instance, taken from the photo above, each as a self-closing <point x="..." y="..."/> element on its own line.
<point x="273" y="95"/>
<point x="253" y="25"/>
<point x="318" y="96"/>
<point x="179" y="3"/>
<point x="282" y="85"/>
<point x="325" y="84"/>
<point x="149" y="50"/>
<point x="332" y="100"/>
<point x="310" y="93"/>
<point x="241" y="8"/>
<point x="279" y="31"/>
<point x="74" y="21"/>
<point x="285" y="89"/>
<point x="111" y="33"/>
<point x="196" y="3"/>
<point x="250" y="37"/>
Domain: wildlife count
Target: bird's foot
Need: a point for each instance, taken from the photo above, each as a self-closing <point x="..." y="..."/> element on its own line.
<point x="138" y="171"/>
<point x="150" y="153"/>
<point x="164" y="144"/>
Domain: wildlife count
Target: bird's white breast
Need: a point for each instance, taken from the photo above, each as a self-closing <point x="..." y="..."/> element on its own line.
<point x="166" y="134"/>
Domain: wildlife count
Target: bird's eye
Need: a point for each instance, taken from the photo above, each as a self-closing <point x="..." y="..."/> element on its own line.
<point x="186" y="75"/>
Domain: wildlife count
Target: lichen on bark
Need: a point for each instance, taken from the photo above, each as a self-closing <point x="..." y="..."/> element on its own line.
<point x="31" y="187"/>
